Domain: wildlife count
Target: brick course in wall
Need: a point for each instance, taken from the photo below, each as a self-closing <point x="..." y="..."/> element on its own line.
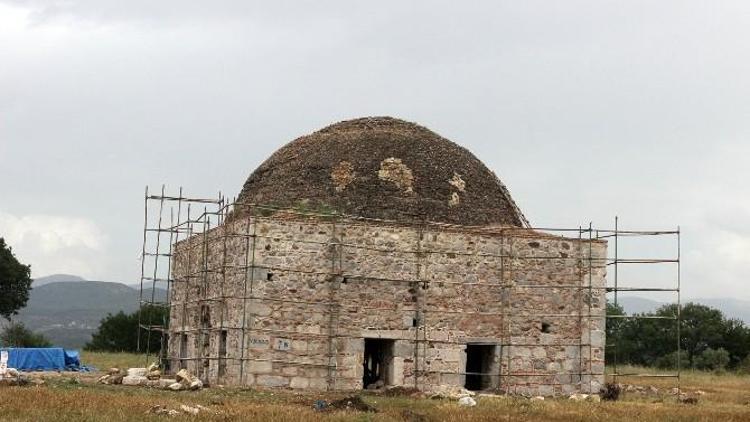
<point x="289" y="302"/>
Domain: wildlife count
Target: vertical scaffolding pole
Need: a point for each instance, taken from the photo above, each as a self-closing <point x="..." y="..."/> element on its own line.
<point x="679" y="311"/>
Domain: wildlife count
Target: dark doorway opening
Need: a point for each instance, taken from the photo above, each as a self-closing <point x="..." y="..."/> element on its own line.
<point x="377" y="363"/>
<point x="223" y="353"/>
<point x="183" y="351"/>
<point x="479" y="360"/>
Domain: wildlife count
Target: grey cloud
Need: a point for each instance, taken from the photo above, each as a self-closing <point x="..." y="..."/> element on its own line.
<point x="584" y="109"/>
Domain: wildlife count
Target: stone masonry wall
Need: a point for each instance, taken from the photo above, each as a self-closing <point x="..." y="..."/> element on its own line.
<point x="288" y="302"/>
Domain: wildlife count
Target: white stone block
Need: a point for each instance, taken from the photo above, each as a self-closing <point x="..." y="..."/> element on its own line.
<point x="134" y="380"/>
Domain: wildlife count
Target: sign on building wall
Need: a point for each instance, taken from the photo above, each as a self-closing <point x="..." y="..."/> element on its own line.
<point x="282" y="344"/>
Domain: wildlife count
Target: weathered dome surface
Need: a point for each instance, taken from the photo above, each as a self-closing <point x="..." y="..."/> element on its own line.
<point x="384" y="168"/>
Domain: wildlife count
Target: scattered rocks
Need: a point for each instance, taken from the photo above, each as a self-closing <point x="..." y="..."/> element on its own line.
<point x="467" y="401"/>
<point x="647" y="390"/>
<point x="152" y="377"/>
<point x="189" y="409"/>
<point x="377" y="385"/>
<point x="161" y="410"/>
<point x="188" y="380"/>
<point x="166" y="382"/>
<point x="578" y="397"/>
<point x="184" y="409"/>
<point x="450" y="392"/>
<point x="114" y="376"/>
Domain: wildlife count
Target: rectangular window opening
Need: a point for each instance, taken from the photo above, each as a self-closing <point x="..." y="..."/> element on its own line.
<point x="480" y="367"/>
<point x="378" y="363"/>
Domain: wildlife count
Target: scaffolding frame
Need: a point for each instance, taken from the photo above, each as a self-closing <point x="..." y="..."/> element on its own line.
<point x="216" y="210"/>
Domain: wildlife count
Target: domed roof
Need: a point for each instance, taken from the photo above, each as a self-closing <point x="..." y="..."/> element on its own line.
<point x="384" y="168"/>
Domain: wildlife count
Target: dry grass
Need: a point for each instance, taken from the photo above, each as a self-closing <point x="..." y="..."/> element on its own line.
<point x="104" y="360"/>
<point x="727" y="399"/>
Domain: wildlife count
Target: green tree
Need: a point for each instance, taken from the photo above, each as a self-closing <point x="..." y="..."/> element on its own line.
<point x="669" y="361"/>
<point x="653" y="341"/>
<point x="702" y="327"/>
<point x="17" y="335"/>
<point x="736" y="341"/>
<point x="712" y="359"/>
<point x="15" y="282"/>
<point x="119" y="332"/>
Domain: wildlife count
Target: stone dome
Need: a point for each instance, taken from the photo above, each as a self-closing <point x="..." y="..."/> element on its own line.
<point x="382" y="168"/>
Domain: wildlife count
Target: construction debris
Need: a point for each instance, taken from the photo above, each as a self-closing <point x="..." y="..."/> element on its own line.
<point x="134" y="380"/>
<point x="450" y="392"/>
<point x="152" y="377"/>
<point x="137" y="372"/>
<point x="578" y="397"/>
<point x="467" y="401"/>
<point x="184" y="409"/>
<point x="11" y="377"/>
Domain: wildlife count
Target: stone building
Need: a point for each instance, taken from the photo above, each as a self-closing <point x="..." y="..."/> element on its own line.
<point x="373" y="253"/>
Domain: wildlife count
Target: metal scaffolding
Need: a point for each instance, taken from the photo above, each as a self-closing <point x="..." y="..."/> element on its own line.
<point x="159" y="238"/>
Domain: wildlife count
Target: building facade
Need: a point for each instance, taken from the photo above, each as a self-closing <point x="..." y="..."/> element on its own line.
<point x="304" y="298"/>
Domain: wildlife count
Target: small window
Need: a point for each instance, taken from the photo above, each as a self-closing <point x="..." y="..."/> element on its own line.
<point x="545" y="327"/>
<point x="269" y="276"/>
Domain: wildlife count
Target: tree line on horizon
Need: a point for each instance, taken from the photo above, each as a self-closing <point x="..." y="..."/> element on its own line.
<point x="708" y="339"/>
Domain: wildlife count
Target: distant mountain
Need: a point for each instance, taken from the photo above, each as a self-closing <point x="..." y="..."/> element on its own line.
<point x="68" y="312"/>
<point x="55" y="278"/>
<point x="731" y="308"/>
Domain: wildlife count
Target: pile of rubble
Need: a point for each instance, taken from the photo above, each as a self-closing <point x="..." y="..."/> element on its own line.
<point x="453" y="392"/>
<point x="184" y="409"/>
<point x="647" y="390"/>
<point x="585" y="397"/>
<point x="152" y="377"/>
<point x="682" y="396"/>
<point x="11" y="377"/>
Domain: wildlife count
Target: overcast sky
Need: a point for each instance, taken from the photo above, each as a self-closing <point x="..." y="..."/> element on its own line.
<point x="586" y="110"/>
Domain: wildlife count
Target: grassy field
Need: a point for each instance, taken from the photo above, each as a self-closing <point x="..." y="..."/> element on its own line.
<point x="63" y="398"/>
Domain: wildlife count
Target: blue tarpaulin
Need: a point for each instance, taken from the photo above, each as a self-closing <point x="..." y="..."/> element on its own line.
<point x="44" y="359"/>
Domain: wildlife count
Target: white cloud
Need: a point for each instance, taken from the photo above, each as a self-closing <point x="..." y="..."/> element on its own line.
<point x="55" y="244"/>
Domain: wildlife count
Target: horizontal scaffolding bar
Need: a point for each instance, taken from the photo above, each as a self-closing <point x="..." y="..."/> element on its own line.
<point x="184" y="199"/>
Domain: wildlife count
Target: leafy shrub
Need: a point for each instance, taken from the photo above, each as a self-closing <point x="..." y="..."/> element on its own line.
<point x="712" y="359"/>
<point x="119" y="332"/>
<point x="744" y="366"/>
<point x="17" y="335"/>
<point x="611" y="391"/>
<point x="669" y="361"/>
